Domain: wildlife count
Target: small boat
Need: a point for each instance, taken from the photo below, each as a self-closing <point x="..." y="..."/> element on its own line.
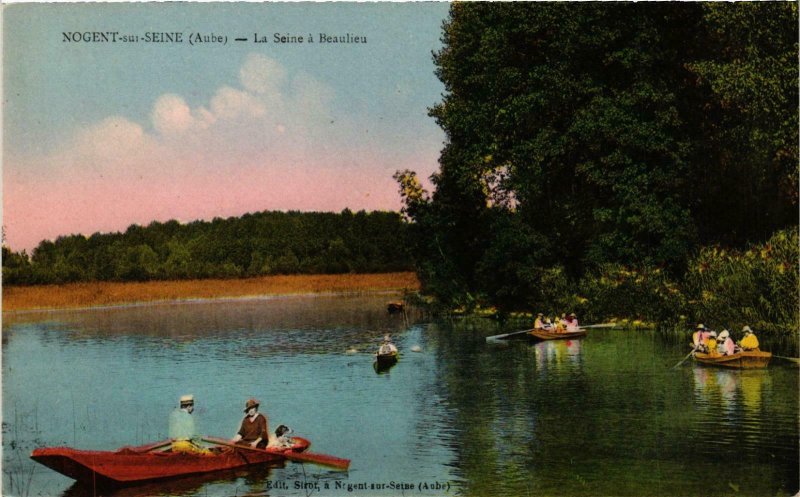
<point x="386" y="360"/>
<point x="749" y="359"/>
<point x="132" y="465"/>
<point x="555" y="335"/>
<point x="395" y="307"/>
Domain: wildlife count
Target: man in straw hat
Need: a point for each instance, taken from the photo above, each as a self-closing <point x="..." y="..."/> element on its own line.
<point x="254" y="430"/>
<point x="182" y="427"/>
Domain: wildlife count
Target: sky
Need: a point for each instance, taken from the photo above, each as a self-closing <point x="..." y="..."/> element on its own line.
<point x="98" y="135"/>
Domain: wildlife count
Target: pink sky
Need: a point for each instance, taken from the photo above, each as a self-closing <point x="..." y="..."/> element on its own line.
<point x="270" y="141"/>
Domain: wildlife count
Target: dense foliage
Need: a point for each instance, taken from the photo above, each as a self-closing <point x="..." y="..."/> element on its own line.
<point x="604" y="140"/>
<point x="252" y="245"/>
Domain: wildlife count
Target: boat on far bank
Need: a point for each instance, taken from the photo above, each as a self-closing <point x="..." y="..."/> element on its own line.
<point x="541" y="334"/>
<point x="746" y="359"/>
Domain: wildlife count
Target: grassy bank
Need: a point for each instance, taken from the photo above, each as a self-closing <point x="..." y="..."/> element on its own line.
<point x="75" y="295"/>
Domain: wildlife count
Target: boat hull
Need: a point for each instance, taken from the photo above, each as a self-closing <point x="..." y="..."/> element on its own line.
<point x="129" y="467"/>
<point x="386" y="360"/>
<point x="554" y="335"/>
<point x="742" y="360"/>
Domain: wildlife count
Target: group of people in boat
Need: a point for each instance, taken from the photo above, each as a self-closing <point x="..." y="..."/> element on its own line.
<point x="709" y="342"/>
<point x="566" y="323"/>
<point x="253" y="430"/>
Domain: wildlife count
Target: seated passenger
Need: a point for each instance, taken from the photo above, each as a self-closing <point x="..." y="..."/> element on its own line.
<point x="548" y="325"/>
<point x="182" y="429"/>
<point x="725" y="345"/>
<point x="711" y="344"/>
<point x="388" y="347"/>
<point x="749" y="341"/>
<point x="696" y="336"/>
<point x="572" y="323"/>
<point x="538" y="324"/>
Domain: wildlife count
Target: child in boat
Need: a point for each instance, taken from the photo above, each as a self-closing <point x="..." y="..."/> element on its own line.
<point x="749" y="342"/>
<point x="711" y="344"/>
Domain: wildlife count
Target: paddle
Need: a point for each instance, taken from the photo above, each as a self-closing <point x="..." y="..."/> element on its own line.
<point x="795" y="360"/>
<point x="321" y="459"/>
<point x="149" y="447"/>
<point x="684" y="359"/>
<point x="506" y="335"/>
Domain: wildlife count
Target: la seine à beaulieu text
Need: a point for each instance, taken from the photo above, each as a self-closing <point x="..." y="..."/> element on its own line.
<point x="321" y="38"/>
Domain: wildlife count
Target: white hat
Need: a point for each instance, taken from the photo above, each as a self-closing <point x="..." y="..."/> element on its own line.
<point x="387" y="338"/>
<point x="724" y="334"/>
<point x="187" y="399"/>
<point x="747" y="329"/>
<point x="713" y="334"/>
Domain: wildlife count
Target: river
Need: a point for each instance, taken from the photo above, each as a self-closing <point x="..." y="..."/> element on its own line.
<point x="605" y="415"/>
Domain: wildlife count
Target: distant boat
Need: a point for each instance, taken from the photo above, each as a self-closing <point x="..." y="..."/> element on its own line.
<point x="395" y="307"/>
<point x="555" y="335"/>
<point x="749" y="359"/>
<point x="384" y="361"/>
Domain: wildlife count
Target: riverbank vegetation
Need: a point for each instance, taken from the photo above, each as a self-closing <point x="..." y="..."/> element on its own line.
<point x="264" y="243"/>
<point x="76" y="295"/>
<point x="623" y="159"/>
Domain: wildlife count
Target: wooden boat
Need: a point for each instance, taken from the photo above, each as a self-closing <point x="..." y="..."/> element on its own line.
<point x="135" y="465"/>
<point x="386" y="360"/>
<point x="750" y="359"/>
<point x="555" y="335"/>
<point x="395" y="307"/>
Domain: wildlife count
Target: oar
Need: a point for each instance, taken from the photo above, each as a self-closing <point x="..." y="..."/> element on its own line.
<point x="506" y="335"/>
<point x="795" y="360"/>
<point x="149" y="447"/>
<point x="321" y="459"/>
<point x="604" y="325"/>
<point x="684" y="359"/>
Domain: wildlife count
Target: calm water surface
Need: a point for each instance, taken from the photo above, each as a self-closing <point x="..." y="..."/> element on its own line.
<point x="602" y="416"/>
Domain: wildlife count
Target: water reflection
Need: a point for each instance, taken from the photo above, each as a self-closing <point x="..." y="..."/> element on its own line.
<point x="557" y="355"/>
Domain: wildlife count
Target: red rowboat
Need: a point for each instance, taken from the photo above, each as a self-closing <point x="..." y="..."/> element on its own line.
<point x="556" y="335"/>
<point x="129" y="466"/>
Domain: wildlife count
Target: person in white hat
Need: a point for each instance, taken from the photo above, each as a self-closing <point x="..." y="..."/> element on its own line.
<point x="538" y="323"/>
<point x="388" y="347"/>
<point x="749" y="341"/>
<point x="183" y="429"/>
<point x="725" y="345"/>
<point x="254" y="430"/>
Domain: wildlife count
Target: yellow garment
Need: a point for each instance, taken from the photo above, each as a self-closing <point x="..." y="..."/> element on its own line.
<point x="749" y="342"/>
<point x="712" y="346"/>
<point x="538" y="324"/>
<point x="187" y="447"/>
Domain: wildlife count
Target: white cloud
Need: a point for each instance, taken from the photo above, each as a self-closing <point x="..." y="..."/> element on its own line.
<point x="171" y="114"/>
<point x="260" y="74"/>
<point x="231" y="104"/>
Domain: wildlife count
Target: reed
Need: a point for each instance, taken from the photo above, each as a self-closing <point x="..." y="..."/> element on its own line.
<point x="75" y="295"/>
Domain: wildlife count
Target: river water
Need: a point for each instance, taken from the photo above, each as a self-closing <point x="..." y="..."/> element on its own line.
<point x="602" y="416"/>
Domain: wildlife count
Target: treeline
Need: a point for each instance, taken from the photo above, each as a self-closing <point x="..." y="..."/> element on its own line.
<point x="606" y="140"/>
<point x="257" y="244"/>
